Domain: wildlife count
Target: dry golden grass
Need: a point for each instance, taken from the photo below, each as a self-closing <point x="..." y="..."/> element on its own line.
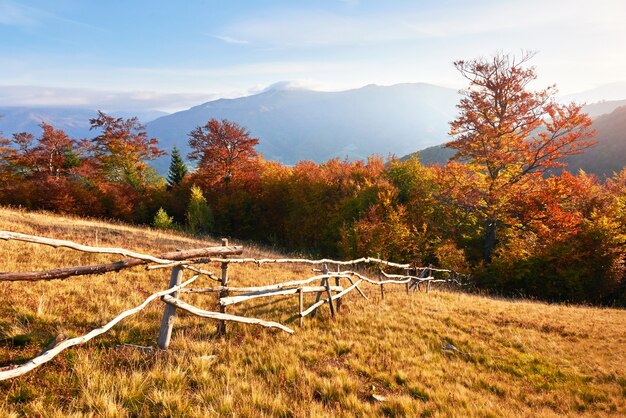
<point x="519" y="358"/>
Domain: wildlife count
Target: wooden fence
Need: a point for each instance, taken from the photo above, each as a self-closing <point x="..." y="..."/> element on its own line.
<point x="188" y="261"/>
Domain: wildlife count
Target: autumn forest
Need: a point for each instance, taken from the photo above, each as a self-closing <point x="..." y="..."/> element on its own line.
<point x="496" y="212"/>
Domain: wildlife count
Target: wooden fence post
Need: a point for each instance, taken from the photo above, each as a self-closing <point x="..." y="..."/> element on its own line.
<point x="337" y="283"/>
<point x="408" y="273"/>
<point x="301" y="300"/>
<point x="167" y="323"/>
<point x="221" y="325"/>
<point x="328" y="292"/>
<point x="319" y="294"/>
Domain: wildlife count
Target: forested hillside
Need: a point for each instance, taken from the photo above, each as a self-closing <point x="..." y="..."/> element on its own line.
<point x="608" y="156"/>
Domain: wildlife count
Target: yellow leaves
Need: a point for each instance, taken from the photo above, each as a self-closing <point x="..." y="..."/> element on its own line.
<point x="386" y="197"/>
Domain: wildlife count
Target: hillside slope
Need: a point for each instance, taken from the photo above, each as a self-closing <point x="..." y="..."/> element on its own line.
<point x="515" y="358"/>
<point x="603" y="159"/>
<point x="609" y="154"/>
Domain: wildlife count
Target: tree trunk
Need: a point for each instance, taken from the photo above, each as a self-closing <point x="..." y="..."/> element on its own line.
<point x="490" y="240"/>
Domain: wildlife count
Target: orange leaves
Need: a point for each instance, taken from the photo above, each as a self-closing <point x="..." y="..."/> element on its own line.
<point x="52" y="154"/>
<point x="122" y="149"/>
<point x="507" y="136"/>
<point x="52" y="150"/>
<point x="223" y="150"/>
<point x="505" y="130"/>
<point x="565" y="132"/>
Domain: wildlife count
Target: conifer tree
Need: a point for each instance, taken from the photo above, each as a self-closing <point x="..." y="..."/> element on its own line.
<point x="178" y="169"/>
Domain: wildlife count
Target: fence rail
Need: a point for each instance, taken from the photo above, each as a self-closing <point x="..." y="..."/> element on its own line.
<point x="187" y="260"/>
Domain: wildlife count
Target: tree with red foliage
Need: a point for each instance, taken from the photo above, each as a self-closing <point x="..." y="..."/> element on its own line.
<point x="50" y="155"/>
<point x="122" y="149"/>
<point x="54" y="153"/>
<point x="7" y="153"/>
<point x="507" y="137"/>
<point x="223" y="150"/>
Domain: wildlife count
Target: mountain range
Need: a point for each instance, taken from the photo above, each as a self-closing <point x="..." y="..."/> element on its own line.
<point x="295" y="124"/>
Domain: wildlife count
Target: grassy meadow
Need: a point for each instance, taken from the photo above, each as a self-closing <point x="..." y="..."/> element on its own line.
<point x="515" y="358"/>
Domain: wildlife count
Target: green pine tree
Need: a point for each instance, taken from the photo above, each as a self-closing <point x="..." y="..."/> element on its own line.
<point x="178" y="169"/>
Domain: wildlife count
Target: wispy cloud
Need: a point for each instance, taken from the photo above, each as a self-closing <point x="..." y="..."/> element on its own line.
<point x="231" y="40"/>
<point x="15" y="14"/>
<point x="259" y="68"/>
<point x="38" y="96"/>
<point x="306" y="28"/>
<point x="74" y="85"/>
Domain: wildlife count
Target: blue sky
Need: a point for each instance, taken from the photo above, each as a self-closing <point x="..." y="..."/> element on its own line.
<point x="171" y="55"/>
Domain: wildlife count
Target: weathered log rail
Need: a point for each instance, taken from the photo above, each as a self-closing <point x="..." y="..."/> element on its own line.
<point x="186" y="260"/>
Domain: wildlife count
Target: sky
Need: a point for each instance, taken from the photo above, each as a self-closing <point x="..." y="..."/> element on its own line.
<point x="171" y="55"/>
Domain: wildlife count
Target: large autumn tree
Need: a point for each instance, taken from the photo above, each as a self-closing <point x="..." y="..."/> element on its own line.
<point x="507" y="137"/>
<point x="223" y="150"/>
<point x="53" y="154"/>
<point x="122" y="149"/>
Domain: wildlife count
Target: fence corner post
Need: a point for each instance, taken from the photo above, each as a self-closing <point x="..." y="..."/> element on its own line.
<point x="322" y="284"/>
<point x="328" y="292"/>
<point x="167" y="322"/>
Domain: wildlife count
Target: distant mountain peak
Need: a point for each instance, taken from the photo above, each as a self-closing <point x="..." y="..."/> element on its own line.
<point x="607" y="92"/>
<point x="286" y="85"/>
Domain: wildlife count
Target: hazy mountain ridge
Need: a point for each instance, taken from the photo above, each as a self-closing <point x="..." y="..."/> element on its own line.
<point x="296" y="124"/>
<point x="608" y="156"/>
<point x="73" y="120"/>
<point x="615" y="91"/>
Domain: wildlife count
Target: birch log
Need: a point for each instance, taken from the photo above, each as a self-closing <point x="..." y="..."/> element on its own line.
<point x="64" y="273"/>
<point x="231" y="300"/>
<point x="252" y="289"/>
<point x="223" y="317"/>
<point x="58" y="243"/>
<point x="53" y="352"/>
